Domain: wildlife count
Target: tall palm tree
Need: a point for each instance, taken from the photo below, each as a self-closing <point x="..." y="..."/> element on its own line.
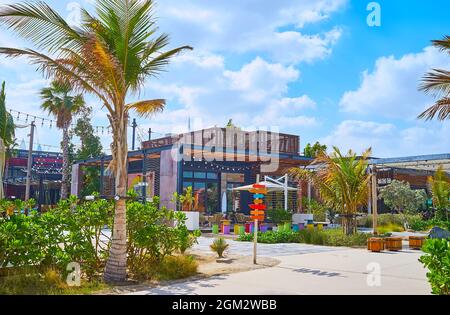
<point x="342" y="181"/>
<point x="7" y="137"/>
<point x="58" y="102"/>
<point x="110" y="55"/>
<point x="437" y="83"/>
<point x="439" y="185"/>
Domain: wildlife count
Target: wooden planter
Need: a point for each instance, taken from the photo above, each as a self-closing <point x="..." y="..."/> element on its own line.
<point x="375" y="244"/>
<point x="416" y="242"/>
<point x="393" y="243"/>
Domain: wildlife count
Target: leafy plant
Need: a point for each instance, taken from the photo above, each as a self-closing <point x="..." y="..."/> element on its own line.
<point x="7" y="136"/>
<point x="219" y="246"/>
<point x="186" y="200"/>
<point x="440" y="189"/>
<point x="342" y="181"/>
<point x="437" y="260"/>
<point x="278" y="215"/>
<point x="177" y="267"/>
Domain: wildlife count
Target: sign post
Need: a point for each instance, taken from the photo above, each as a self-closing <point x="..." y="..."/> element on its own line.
<point x="258" y="207"/>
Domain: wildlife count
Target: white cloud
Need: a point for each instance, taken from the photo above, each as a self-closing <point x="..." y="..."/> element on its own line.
<point x="388" y="140"/>
<point x="391" y="90"/>
<point x="259" y="79"/>
<point x="249" y="26"/>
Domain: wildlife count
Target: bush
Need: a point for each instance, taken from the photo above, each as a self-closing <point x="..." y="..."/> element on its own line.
<point x="153" y="234"/>
<point x="331" y="237"/>
<point x="278" y="216"/>
<point x="437" y="260"/>
<point x="219" y="246"/>
<point x="177" y="267"/>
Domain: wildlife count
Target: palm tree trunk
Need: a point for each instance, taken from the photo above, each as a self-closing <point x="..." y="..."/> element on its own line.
<point x="2" y="166"/>
<point x="65" y="168"/>
<point x="116" y="267"/>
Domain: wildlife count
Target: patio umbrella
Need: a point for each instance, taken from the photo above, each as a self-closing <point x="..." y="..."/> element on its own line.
<point x="269" y="185"/>
<point x="224" y="202"/>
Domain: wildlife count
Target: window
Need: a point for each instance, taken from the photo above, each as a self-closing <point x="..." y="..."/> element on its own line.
<point x="187" y="174"/>
<point x="200" y="175"/>
<point x="212" y="175"/>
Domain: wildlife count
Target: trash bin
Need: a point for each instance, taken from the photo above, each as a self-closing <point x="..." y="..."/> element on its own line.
<point x="215" y="229"/>
<point x="226" y="229"/>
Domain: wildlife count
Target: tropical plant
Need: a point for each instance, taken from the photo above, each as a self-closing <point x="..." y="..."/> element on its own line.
<point x="278" y="215"/>
<point x="185" y="201"/>
<point x="437" y="83"/>
<point x="7" y="138"/>
<point x="399" y="197"/>
<point x="219" y="246"/>
<point x="90" y="147"/>
<point x="437" y="260"/>
<point x="439" y="185"/>
<point x="109" y="55"/>
<point x="58" y="101"/>
<point x="312" y="151"/>
<point x="342" y="181"/>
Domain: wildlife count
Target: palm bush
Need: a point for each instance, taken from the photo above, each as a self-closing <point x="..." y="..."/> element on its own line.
<point x="7" y="137"/>
<point x="342" y="181"/>
<point x="440" y="189"/>
<point x="219" y="246"/>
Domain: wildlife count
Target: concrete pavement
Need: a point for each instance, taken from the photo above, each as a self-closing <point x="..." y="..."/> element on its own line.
<point x="306" y="269"/>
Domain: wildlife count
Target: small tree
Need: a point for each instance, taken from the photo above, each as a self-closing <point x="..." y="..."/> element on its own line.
<point x="440" y="189"/>
<point x="312" y="151"/>
<point x="399" y="196"/>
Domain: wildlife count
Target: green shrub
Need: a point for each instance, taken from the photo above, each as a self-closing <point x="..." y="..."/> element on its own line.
<point x="329" y="237"/>
<point x="177" y="267"/>
<point x="219" y="246"/>
<point x="391" y="227"/>
<point x="278" y="216"/>
<point x="437" y="260"/>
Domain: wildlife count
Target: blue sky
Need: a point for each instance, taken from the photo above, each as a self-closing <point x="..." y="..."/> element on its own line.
<point x="309" y="67"/>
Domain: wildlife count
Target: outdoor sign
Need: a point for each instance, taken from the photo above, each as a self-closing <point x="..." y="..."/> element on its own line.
<point x="258" y="205"/>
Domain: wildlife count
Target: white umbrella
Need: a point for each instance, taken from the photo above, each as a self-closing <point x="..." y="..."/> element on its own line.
<point x="269" y="185"/>
<point x="224" y="202"/>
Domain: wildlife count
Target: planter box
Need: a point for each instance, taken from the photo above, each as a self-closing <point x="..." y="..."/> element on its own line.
<point x="375" y="244"/>
<point x="193" y="220"/>
<point x="416" y="242"/>
<point x="393" y="243"/>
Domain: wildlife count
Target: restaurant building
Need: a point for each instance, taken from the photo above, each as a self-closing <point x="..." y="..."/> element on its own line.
<point x="212" y="161"/>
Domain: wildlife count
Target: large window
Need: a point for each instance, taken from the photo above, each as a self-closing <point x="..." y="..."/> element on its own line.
<point x="205" y="186"/>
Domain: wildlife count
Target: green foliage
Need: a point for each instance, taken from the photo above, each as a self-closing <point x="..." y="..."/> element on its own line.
<point x="399" y="196"/>
<point x="329" y="237"/>
<point x="184" y="201"/>
<point x="314" y="150"/>
<point x="278" y="216"/>
<point x="219" y="246"/>
<point x="383" y="229"/>
<point x="177" y="267"/>
<point x="187" y="239"/>
<point x="318" y="209"/>
<point x="90" y="147"/>
<point x="437" y="260"/>
<point x="440" y="189"/>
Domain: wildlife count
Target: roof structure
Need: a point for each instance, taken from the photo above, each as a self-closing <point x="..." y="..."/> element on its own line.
<point x="420" y="162"/>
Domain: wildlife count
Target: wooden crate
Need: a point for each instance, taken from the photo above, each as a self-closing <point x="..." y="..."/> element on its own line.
<point x="416" y="242"/>
<point x="393" y="243"/>
<point x="375" y="244"/>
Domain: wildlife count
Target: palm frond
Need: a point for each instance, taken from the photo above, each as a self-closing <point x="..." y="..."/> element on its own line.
<point x="441" y="109"/>
<point x="147" y="108"/>
<point x="39" y="23"/>
<point x="436" y="82"/>
<point x="443" y="44"/>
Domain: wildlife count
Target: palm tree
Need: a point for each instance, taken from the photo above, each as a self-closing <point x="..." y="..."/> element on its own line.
<point x="342" y="181"/>
<point x="59" y="103"/>
<point x="437" y="82"/>
<point x="110" y="55"/>
<point x="440" y="189"/>
<point x="7" y="138"/>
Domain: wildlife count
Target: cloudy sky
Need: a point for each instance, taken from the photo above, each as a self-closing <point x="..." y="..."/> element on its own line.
<point x="309" y="67"/>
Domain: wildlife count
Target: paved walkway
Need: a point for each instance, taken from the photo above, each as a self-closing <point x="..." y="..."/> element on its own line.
<point x="308" y="269"/>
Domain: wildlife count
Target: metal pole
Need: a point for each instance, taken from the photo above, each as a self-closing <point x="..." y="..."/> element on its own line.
<point x="134" y="125"/>
<point x="149" y="134"/>
<point x="286" y="192"/>
<point x="144" y="175"/>
<point x="255" y="233"/>
<point x="30" y="162"/>
<point x="374" y="200"/>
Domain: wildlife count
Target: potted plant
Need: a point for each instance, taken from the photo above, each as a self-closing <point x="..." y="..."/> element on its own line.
<point x="185" y="202"/>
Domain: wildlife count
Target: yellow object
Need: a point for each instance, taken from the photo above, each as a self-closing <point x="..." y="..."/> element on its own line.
<point x="262" y="191"/>
<point x="226" y="222"/>
<point x="258" y="201"/>
<point x="236" y="229"/>
<point x="310" y="227"/>
<point x="320" y="227"/>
